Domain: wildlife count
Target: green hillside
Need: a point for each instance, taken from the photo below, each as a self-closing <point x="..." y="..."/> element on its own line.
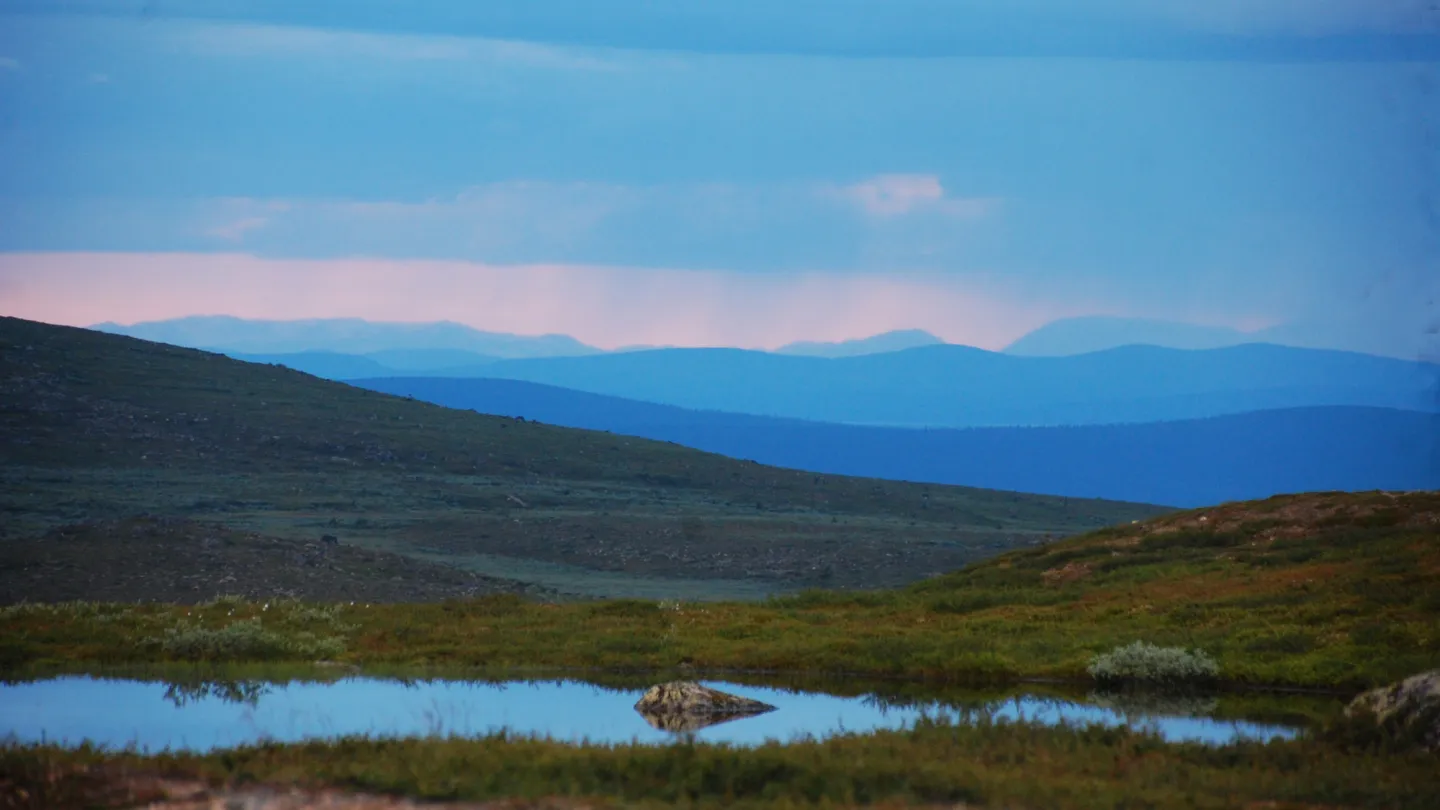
<point x="97" y="427"/>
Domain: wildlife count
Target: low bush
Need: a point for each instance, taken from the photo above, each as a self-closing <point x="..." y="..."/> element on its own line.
<point x="243" y="641"/>
<point x="1142" y="662"/>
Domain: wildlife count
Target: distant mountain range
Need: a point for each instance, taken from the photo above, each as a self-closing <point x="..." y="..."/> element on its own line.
<point x="1180" y="463"/>
<point x="395" y="362"/>
<point x="1061" y="338"/>
<point x="958" y="386"/>
<point x="859" y="382"/>
<point x="344" y="336"/>
<point x="878" y="344"/>
<point x="1071" y="336"/>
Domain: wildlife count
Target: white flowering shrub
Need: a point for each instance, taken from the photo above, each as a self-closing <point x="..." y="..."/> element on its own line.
<point x="1142" y="662"/>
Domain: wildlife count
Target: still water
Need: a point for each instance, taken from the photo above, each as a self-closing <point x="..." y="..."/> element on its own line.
<point x="156" y="715"/>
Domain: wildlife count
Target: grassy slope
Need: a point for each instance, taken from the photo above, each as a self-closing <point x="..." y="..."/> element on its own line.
<point x="100" y="427"/>
<point x="990" y="765"/>
<point x="1323" y="590"/>
<point x="184" y="562"/>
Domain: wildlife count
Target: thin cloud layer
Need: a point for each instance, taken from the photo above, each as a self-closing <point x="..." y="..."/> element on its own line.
<point x="1219" y="29"/>
<point x="252" y="40"/>
<point x="607" y="307"/>
<point x="890" y="195"/>
<point x="1234" y="167"/>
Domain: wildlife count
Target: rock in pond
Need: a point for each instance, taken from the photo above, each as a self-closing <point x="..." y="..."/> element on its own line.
<point x="687" y="706"/>
<point x="1407" y="710"/>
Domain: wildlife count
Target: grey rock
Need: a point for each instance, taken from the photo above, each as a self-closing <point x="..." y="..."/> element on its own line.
<point x="1410" y="708"/>
<point x="686" y="706"/>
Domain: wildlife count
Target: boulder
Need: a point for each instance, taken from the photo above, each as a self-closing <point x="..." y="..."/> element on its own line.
<point x="1408" y="710"/>
<point x="686" y="705"/>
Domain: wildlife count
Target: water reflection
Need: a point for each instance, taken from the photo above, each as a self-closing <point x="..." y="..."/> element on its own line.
<point x="216" y="714"/>
<point x="685" y="723"/>
<point x="246" y="692"/>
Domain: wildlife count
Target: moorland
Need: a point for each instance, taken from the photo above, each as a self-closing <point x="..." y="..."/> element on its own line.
<point x="149" y="474"/>
<point x="95" y="427"/>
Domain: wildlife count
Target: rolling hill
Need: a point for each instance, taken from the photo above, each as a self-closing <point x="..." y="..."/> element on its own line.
<point x="959" y="386"/>
<point x="97" y="427"/>
<point x="1183" y="463"/>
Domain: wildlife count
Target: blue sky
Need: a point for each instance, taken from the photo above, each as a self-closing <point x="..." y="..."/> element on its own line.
<point x="765" y="173"/>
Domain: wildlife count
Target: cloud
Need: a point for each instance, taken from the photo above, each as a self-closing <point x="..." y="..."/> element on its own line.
<point x="859" y="28"/>
<point x="235" y="231"/>
<point x="9" y="63"/>
<point x="276" y="40"/>
<point x="601" y="305"/>
<point x="1292" y="17"/>
<point x="98" y="78"/>
<point x="240" y="216"/>
<point x="890" y="195"/>
<point x="904" y="222"/>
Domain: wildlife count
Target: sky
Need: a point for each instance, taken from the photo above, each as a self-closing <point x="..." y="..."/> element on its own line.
<point x="747" y="173"/>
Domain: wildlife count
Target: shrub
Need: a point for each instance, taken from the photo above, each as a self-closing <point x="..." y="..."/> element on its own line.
<point x="1142" y="662"/>
<point x="243" y="641"/>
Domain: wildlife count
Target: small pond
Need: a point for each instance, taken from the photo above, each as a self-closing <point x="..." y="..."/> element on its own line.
<point x="202" y="716"/>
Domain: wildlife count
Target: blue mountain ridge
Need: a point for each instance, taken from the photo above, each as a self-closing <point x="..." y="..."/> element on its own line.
<point x="1178" y="463"/>
<point x="960" y="386"/>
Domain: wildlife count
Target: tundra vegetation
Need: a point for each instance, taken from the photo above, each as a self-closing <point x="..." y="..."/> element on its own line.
<point x="242" y="469"/>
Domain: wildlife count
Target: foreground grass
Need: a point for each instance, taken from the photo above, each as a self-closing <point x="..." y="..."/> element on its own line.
<point x="989" y="764"/>
<point x="1338" y="591"/>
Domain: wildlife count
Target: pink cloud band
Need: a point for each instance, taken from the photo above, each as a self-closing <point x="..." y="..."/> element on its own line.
<point x="604" y="306"/>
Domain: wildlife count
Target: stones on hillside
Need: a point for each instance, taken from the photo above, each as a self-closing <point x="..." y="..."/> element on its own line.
<point x="688" y="706"/>
<point x="1408" y="710"/>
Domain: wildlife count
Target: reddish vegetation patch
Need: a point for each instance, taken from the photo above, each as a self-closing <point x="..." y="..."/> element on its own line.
<point x="1217" y="587"/>
<point x="1069" y="572"/>
<point x="1293" y="516"/>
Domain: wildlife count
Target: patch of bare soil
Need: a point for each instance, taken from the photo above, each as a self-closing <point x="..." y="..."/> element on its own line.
<point x="173" y="560"/>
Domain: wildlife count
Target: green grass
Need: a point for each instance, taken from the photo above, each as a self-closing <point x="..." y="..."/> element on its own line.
<point x="1345" y="615"/>
<point x="989" y="764"/>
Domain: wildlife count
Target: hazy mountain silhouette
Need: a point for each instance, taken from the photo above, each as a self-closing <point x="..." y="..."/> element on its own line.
<point x="330" y="365"/>
<point x="876" y="344"/>
<point x="1070" y="336"/>
<point x="393" y="363"/>
<point x="429" y="360"/>
<point x="343" y="335"/>
<point x="1181" y="463"/>
<point x="959" y="386"/>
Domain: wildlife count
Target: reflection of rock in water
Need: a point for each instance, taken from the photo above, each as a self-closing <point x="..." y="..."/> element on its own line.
<point x="688" y="722"/>
<point x="684" y="706"/>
